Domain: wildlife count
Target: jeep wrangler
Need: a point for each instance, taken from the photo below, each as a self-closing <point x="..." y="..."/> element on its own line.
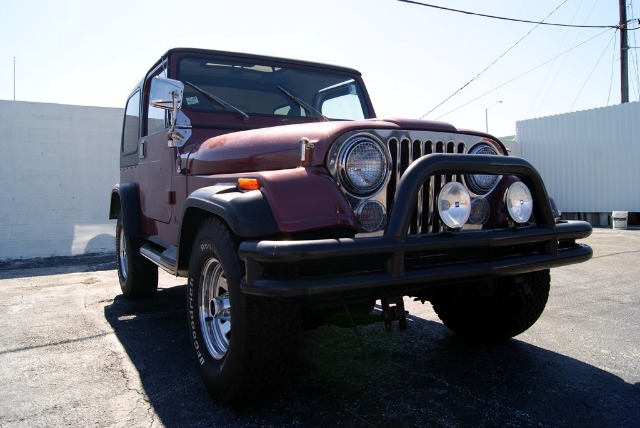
<point x="271" y="186"/>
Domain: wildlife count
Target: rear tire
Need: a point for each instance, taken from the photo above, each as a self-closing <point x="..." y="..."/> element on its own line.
<point x="513" y="307"/>
<point x="138" y="276"/>
<point x="243" y="344"/>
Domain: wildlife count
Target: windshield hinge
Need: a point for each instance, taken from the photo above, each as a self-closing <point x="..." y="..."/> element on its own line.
<point x="305" y="145"/>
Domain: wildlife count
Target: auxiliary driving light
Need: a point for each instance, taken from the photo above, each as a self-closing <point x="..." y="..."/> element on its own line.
<point x="519" y="202"/>
<point x="454" y="205"/>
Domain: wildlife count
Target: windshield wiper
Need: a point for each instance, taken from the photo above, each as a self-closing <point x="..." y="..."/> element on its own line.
<point x="220" y="101"/>
<point x="307" y="107"/>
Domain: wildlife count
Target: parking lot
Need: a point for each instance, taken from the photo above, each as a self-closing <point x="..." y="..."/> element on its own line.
<point x="73" y="352"/>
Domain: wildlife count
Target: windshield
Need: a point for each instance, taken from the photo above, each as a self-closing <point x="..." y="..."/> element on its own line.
<point x="264" y="89"/>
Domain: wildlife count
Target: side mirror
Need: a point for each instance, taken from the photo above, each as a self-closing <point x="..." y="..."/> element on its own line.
<point x="167" y="94"/>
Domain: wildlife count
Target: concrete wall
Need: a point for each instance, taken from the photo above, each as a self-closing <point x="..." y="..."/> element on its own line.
<point x="58" y="165"/>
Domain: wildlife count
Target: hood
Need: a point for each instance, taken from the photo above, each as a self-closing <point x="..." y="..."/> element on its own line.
<point x="279" y="147"/>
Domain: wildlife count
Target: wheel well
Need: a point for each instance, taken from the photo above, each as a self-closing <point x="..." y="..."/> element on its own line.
<point x="191" y="222"/>
<point x="125" y="202"/>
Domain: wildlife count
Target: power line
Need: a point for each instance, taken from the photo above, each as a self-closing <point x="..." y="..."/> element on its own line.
<point x="548" y="73"/>
<point x="637" y="82"/>
<point x="593" y="69"/>
<point x="613" y="61"/>
<point x="564" y="60"/>
<point x="505" y="18"/>
<point x="493" y="63"/>
<point x="521" y="75"/>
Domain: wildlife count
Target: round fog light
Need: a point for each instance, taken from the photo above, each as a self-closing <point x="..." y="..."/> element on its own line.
<point x="454" y="205"/>
<point x="371" y="216"/>
<point x="519" y="202"/>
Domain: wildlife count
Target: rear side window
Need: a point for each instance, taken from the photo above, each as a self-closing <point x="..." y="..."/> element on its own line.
<point x="131" y="125"/>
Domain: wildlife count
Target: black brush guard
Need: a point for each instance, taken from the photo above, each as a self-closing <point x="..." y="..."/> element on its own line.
<point x="398" y="262"/>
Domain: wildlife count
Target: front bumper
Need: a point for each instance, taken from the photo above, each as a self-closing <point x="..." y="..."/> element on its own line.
<point x="397" y="262"/>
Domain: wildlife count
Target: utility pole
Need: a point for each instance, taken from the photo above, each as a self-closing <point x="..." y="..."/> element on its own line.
<point x="624" y="50"/>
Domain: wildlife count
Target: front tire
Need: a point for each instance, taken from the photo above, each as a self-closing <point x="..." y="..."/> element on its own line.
<point x="514" y="305"/>
<point x="243" y="344"/>
<point x="138" y="276"/>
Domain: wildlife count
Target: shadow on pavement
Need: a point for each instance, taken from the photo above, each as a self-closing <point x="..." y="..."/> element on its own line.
<point x="424" y="376"/>
<point x="24" y="268"/>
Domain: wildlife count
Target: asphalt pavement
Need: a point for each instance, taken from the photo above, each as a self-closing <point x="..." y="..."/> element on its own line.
<point x="74" y="352"/>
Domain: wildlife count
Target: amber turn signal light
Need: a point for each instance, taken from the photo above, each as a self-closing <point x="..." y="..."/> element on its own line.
<point x="248" y="184"/>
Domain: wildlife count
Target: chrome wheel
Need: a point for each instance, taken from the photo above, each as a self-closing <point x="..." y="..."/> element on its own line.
<point x="265" y="330"/>
<point x="214" y="309"/>
<point x="122" y="254"/>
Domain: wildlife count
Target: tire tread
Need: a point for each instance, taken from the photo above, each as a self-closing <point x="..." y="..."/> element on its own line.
<point x="264" y="338"/>
<point x="496" y="318"/>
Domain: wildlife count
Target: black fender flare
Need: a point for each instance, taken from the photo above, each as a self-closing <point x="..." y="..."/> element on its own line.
<point x="248" y="214"/>
<point x="125" y="200"/>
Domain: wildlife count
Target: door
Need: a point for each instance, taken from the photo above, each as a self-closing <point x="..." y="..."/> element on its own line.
<point x="156" y="164"/>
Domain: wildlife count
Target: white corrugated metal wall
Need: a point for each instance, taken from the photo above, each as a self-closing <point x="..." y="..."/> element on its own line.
<point x="589" y="160"/>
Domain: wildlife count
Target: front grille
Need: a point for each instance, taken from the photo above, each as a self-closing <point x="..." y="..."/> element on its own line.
<point x="403" y="152"/>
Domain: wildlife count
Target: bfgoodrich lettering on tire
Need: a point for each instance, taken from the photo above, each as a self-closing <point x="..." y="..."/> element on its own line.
<point x="242" y="344"/>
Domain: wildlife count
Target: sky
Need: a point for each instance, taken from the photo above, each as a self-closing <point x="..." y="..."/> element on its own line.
<point x="417" y="62"/>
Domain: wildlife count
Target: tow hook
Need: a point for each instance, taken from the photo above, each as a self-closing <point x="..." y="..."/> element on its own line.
<point x="393" y="310"/>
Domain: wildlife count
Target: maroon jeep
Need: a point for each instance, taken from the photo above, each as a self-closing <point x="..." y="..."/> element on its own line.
<point x="270" y="185"/>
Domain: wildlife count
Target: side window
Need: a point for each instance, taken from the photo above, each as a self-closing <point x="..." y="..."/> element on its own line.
<point x="342" y="101"/>
<point x="343" y="107"/>
<point x="131" y="125"/>
<point x="156" y="117"/>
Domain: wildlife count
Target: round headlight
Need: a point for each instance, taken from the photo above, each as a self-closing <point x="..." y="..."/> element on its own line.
<point x="519" y="202"/>
<point x="371" y="216"/>
<point x="364" y="165"/>
<point x="454" y="205"/>
<point x="481" y="184"/>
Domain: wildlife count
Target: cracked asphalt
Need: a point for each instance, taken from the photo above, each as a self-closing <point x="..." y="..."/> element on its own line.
<point x="74" y="352"/>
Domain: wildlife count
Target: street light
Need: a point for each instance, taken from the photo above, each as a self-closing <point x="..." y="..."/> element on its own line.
<point x="486" y="115"/>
